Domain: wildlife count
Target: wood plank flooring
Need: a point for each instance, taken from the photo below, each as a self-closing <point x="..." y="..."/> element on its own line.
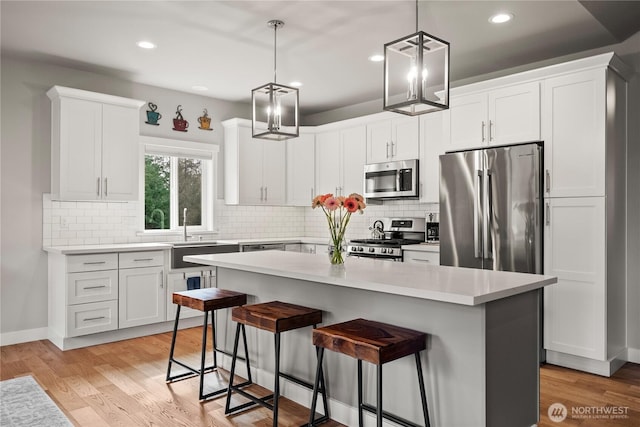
<point x="123" y="384"/>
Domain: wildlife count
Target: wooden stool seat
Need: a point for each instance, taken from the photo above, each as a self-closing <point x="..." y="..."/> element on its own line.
<point x="206" y="300"/>
<point x="376" y="343"/>
<point x="371" y="341"/>
<point x="276" y="316"/>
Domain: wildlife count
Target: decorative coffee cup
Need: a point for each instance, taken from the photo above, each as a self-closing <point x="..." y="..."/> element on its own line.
<point x="205" y="122"/>
<point x="153" y="117"/>
<point x="180" y="124"/>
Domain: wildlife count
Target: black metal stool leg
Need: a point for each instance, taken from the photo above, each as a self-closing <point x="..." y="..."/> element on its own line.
<point x="173" y="343"/>
<point x="423" y="394"/>
<point x="246" y="355"/>
<point x="379" y="397"/>
<point x="203" y="354"/>
<point x="316" y="386"/>
<point x="233" y="368"/>
<point x="360" y="415"/>
<point x="276" y="386"/>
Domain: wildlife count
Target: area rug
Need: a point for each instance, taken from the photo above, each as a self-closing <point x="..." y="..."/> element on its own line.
<point x="23" y="403"/>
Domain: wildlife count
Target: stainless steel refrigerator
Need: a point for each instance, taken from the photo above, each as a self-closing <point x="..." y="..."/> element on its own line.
<point x="491" y="208"/>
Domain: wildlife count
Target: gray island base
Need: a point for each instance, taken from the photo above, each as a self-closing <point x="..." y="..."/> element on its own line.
<point x="482" y="359"/>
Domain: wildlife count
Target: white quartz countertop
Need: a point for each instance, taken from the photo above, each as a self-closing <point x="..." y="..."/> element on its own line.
<point x="116" y="247"/>
<point x="422" y="247"/>
<point x="463" y="286"/>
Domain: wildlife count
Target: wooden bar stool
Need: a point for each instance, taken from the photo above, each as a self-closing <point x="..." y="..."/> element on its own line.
<point x="207" y="300"/>
<point x="377" y="343"/>
<point x="275" y="317"/>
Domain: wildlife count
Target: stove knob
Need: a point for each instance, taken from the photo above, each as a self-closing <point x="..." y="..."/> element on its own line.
<point x="383" y="250"/>
<point x="360" y="249"/>
<point x="372" y="250"/>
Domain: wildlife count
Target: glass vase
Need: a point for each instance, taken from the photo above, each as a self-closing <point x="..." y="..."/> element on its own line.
<point x="336" y="253"/>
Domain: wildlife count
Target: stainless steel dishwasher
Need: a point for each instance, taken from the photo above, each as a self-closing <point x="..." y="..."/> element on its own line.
<point x="262" y="247"/>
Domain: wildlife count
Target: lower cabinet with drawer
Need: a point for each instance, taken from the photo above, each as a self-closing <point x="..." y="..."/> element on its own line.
<point x="93" y="293"/>
<point x="421" y="257"/>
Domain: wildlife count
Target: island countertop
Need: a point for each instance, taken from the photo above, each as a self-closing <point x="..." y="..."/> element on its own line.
<point x="455" y="285"/>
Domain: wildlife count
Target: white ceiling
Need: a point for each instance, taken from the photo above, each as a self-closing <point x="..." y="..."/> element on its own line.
<point x="228" y="47"/>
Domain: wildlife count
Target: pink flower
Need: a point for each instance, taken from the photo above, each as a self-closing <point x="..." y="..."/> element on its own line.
<point x="357" y="197"/>
<point x="351" y="204"/>
<point x="331" y="203"/>
<point x="319" y="200"/>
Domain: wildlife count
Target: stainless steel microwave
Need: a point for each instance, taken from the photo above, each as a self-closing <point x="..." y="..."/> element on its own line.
<point x="391" y="180"/>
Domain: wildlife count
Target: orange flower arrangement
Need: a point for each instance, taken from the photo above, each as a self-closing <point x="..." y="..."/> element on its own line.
<point x="338" y="212"/>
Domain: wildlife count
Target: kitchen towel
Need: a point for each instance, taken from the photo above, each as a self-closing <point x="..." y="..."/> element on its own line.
<point x="193" y="283"/>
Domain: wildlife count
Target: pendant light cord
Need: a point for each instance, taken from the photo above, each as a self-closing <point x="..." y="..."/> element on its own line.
<point x="416" y="16"/>
<point x="275" y="44"/>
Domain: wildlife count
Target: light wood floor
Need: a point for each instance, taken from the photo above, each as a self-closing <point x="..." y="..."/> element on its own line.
<point x="122" y="384"/>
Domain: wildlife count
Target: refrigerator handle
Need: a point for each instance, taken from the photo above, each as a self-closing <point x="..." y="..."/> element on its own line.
<point x="488" y="221"/>
<point x="477" y="230"/>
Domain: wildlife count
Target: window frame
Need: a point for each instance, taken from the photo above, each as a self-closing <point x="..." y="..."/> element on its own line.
<point x="208" y="153"/>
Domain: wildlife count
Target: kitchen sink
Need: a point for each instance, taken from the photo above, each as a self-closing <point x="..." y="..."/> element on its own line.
<point x="182" y="249"/>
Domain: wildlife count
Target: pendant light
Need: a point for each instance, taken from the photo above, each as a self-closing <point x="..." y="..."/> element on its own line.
<point x="275" y="106"/>
<point x="416" y="74"/>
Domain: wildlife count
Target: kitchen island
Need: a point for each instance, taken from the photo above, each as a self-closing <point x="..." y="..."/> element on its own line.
<point x="482" y="357"/>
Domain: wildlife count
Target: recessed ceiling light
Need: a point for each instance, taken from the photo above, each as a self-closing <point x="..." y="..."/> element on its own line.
<point x="376" y="58"/>
<point x="295" y="84"/>
<point x="501" y="18"/>
<point x="146" y="45"/>
<point x="199" y="88"/>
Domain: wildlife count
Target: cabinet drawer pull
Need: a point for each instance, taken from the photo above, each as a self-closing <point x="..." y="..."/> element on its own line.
<point x="548" y="215"/>
<point x="94" y="287"/>
<point x="142" y="259"/>
<point x="94" y="318"/>
<point x="265" y="193"/>
<point x="421" y="260"/>
<point x="97" y="186"/>
<point x="94" y="262"/>
<point x="490" y="133"/>
<point x="106" y="192"/>
<point x="482" y="130"/>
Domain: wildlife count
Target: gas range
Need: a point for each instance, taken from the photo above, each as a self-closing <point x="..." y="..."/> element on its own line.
<point x="394" y="233"/>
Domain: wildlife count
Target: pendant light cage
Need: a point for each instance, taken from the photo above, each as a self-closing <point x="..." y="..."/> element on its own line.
<point x="416" y="74"/>
<point x="275" y="106"/>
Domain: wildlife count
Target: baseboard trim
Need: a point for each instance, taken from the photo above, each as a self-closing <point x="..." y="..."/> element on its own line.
<point x="26" y="335"/>
<point x="598" y="367"/>
<point x="633" y="355"/>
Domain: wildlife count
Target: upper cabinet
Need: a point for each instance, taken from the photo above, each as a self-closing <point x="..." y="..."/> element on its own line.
<point x="393" y="139"/>
<point x="340" y="160"/>
<point x="94" y="145"/>
<point x="254" y="168"/>
<point x="501" y="116"/>
<point x="574" y="119"/>
<point x="301" y="169"/>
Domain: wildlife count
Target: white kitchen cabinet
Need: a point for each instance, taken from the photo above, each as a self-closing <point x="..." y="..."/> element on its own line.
<point x="94" y="145"/>
<point x="575" y="252"/>
<point x="574" y="121"/>
<point x="301" y="170"/>
<point x="142" y="296"/>
<point x="308" y="248"/>
<point x="177" y="282"/>
<point x="500" y="116"/>
<point x="83" y="294"/>
<point x="585" y="242"/>
<point x="340" y="160"/>
<point x="421" y="257"/>
<point x="393" y="139"/>
<point x="293" y="247"/>
<point x="432" y="145"/>
<point x="255" y="172"/>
